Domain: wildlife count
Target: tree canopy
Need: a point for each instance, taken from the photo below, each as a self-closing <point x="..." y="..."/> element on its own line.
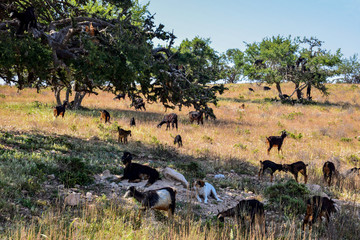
<point x="284" y="59"/>
<point x="83" y="46"/>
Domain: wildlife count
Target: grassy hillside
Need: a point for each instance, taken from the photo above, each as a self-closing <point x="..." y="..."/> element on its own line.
<point x="43" y="158"/>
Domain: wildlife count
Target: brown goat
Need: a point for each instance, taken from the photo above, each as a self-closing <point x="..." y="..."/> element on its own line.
<point x="295" y="168"/>
<point x="246" y="208"/>
<point x="317" y="207"/>
<point x="60" y="110"/>
<point x="198" y="116"/>
<point x="276" y="141"/>
<point x="328" y="171"/>
<point x="105" y="115"/>
<point x="271" y="165"/>
<point x="123" y="135"/>
<point x="170" y="118"/>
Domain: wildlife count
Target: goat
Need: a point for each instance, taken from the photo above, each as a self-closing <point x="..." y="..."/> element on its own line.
<point x="27" y="19"/>
<point x="276" y="141"/>
<point x="295" y="168"/>
<point x="123" y="135"/>
<point x="160" y="199"/>
<point x="266" y="88"/>
<point x="251" y="90"/>
<point x="317" y="207"/>
<point x="119" y="96"/>
<point x="138" y="103"/>
<point x="246" y="208"/>
<point x="170" y="118"/>
<point x="198" y="116"/>
<point x="205" y="190"/>
<point x="271" y="165"/>
<point x="132" y="122"/>
<point x="60" y="110"/>
<point x="136" y="172"/>
<point x="105" y="115"/>
<point x="178" y="140"/>
<point x="328" y="171"/>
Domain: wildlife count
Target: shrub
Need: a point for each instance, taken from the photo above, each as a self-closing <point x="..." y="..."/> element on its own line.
<point x="74" y="171"/>
<point x="289" y="197"/>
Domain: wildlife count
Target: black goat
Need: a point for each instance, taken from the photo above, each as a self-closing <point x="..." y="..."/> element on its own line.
<point x="119" y="96"/>
<point x="60" y="110"/>
<point x="198" y="116"/>
<point x="178" y="140"/>
<point x="251" y="90"/>
<point x="246" y="208"/>
<point x="27" y="19"/>
<point x="271" y="165"/>
<point x="136" y="172"/>
<point x="317" y="207"/>
<point x="295" y="168"/>
<point x="138" y="103"/>
<point x="105" y="115"/>
<point x="132" y="122"/>
<point x="276" y="141"/>
<point x="328" y="171"/>
<point x="170" y="118"/>
<point x="160" y="199"/>
<point x="266" y="88"/>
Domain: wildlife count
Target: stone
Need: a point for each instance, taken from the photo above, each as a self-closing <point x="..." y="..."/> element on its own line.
<point x="218" y="176"/>
<point x="73" y="199"/>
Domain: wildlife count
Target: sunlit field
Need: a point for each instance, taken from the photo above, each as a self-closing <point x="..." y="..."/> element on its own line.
<point x="327" y="130"/>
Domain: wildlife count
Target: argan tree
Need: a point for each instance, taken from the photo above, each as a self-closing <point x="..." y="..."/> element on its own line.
<point x="83" y="46"/>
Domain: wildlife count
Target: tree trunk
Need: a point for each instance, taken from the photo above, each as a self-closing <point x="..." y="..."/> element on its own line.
<point x="79" y="96"/>
<point x="67" y="94"/>
<point x="57" y="92"/>
<point x="308" y="92"/>
<point x="278" y="87"/>
<point x="298" y="91"/>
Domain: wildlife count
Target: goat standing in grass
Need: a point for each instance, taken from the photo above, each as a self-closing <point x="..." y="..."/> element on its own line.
<point x="123" y="135"/>
<point x="329" y="171"/>
<point x="295" y="168"/>
<point x="60" y="110"/>
<point x="276" y="141"/>
<point x="267" y="164"/>
<point x="132" y="122"/>
<point x="196" y="116"/>
<point x="178" y="140"/>
<point x="244" y="209"/>
<point x="136" y="172"/>
<point x="317" y="207"/>
<point x="160" y="199"/>
<point x="105" y="115"/>
<point x="170" y="118"/>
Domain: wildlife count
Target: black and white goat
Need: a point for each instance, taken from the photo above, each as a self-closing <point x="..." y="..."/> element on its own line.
<point x="136" y="172"/>
<point x="160" y="199"/>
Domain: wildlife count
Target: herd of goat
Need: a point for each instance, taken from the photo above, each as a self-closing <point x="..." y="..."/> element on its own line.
<point x="165" y="198"/>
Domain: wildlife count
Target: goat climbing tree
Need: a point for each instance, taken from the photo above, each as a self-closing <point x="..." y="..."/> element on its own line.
<point x="83" y="46"/>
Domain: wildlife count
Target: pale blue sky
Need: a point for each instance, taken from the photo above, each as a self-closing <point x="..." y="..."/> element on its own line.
<point x="229" y="23"/>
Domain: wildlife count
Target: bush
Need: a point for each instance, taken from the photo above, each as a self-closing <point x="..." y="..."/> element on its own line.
<point x="74" y="171"/>
<point x="290" y="197"/>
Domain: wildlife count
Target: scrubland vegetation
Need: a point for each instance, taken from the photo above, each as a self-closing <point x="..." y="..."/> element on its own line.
<point x="40" y="155"/>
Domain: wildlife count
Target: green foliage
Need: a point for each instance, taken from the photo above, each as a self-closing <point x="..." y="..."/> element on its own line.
<point x="289" y="196"/>
<point x="292" y="115"/>
<point x="294" y="135"/>
<point x="73" y="170"/>
<point x="240" y="145"/>
<point x="344" y="139"/>
<point x="191" y="170"/>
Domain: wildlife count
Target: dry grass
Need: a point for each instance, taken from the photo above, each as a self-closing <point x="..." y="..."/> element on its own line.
<point x="328" y="131"/>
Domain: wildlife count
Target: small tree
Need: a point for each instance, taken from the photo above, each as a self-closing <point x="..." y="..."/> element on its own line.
<point x="350" y="69"/>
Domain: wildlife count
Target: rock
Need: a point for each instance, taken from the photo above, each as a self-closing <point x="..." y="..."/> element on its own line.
<point x="51" y="177"/>
<point x="114" y="185"/>
<point x="316" y="190"/>
<point x="106" y="174"/>
<point x="218" y="176"/>
<point x="73" y="199"/>
<point x="88" y="196"/>
<point x="171" y="174"/>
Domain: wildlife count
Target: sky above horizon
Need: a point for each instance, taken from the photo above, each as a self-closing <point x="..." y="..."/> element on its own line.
<point x="230" y="23"/>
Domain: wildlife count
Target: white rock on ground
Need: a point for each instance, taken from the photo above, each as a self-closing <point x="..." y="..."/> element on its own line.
<point x="73" y="199"/>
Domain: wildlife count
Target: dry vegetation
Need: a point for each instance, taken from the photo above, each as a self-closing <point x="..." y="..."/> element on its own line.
<point x="327" y="130"/>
